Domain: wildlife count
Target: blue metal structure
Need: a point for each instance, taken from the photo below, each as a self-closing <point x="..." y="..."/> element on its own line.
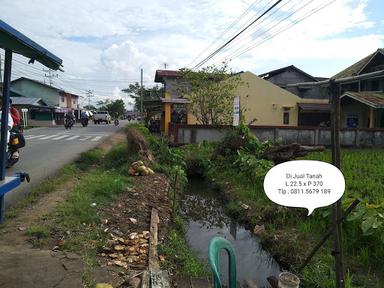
<point x="12" y="41"/>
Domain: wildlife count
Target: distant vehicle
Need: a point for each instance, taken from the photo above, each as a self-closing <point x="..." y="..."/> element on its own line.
<point x="101" y="116"/>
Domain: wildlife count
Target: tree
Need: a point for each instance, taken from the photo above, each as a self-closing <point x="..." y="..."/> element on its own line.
<point x="90" y="107"/>
<point x="149" y="94"/>
<point x="116" y="108"/>
<point x="211" y="92"/>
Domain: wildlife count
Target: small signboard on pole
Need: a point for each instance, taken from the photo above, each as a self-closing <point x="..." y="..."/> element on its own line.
<point x="236" y="111"/>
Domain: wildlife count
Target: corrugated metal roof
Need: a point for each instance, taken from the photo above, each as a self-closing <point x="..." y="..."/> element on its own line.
<point x="27" y="101"/>
<point x="283" y="69"/>
<point x="355" y="69"/>
<point x="166" y="73"/>
<point x="373" y="99"/>
<point x="314" y="106"/>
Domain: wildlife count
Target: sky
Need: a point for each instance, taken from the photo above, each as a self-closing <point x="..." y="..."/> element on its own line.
<point x="105" y="44"/>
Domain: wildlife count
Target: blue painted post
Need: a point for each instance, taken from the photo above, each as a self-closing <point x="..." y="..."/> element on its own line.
<point x="4" y="122"/>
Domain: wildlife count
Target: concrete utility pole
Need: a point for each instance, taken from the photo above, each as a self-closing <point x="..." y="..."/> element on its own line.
<point x="50" y="76"/>
<point x="1" y="76"/>
<point x="89" y="95"/>
<point x="141" y="95"/>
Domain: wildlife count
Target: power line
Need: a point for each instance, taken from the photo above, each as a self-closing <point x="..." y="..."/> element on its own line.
<point x="225" y="31"/>
<point x="234" y="37"/>
<point x="268" y="29"/>
<point x="313" y="11"/>
<point x="260" y="28"/>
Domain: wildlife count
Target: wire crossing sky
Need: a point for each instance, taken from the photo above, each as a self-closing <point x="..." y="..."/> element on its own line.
<point x="105" y="46"/>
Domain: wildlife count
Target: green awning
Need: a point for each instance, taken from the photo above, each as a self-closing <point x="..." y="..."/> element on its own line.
<point x="17" y="42"/>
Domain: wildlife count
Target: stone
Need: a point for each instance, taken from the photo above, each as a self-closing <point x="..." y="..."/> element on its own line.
<point x="259" y="229"/>
<point x="134" y="282"/>
<point x="119" y="247"/>
<point x="244" y="206"/>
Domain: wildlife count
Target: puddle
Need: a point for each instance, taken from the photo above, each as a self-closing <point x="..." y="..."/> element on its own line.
<point x="207" y="219"/>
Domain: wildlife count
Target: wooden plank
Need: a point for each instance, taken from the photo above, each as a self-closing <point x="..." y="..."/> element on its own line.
<point x="145" y="279"/>
<point x="160" y="279"/>
<point x="153" y="259"/>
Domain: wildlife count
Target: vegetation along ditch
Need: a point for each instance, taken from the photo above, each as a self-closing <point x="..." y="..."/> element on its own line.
<point x="236" y="168"/>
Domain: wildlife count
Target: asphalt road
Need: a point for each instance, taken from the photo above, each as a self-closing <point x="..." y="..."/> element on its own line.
<point x="49" y="148"/>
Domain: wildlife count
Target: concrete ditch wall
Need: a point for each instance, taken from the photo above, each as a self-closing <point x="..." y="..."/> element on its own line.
<point x="186" y="134"/>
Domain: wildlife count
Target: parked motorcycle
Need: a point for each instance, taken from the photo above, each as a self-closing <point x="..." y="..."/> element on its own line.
<point x="68" y="123"/>
<point x="84" y="122"/>
<point x="117" y="122"/>
<point x="16" y="141"/>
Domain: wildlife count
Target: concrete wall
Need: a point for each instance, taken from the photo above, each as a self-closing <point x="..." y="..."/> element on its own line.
<point x="186" y="134"/>
<point x="267" y="102"/>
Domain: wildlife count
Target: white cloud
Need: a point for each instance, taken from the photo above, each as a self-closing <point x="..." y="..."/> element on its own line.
<point x="112" y="41"/>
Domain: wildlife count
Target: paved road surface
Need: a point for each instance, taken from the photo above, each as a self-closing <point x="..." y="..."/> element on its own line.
<point x="48" y="149"/>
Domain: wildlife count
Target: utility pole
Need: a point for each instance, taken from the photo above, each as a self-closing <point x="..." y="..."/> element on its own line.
<point x="336" y="208"/>
<point x="89" y="95"/>
<point x="50" y="76"/>
<point x="1" y="76"/>
<point x="165" y="66"/>
<point x="141" y="94"/>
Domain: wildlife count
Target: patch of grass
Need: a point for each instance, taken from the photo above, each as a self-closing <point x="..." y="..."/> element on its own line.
<point x="117" y="157"/>
<point x="38" y="235"/>
<point x="89" y="158"/>
<point x="180" y="258"/>
<point x="97" y="188"/>
<point x="63" y="175"/>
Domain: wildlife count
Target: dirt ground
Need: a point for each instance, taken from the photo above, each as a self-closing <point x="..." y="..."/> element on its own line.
<point x="128" y="215"/>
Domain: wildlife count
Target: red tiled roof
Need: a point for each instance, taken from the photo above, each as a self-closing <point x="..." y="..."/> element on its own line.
<point x="373" y="99"/>
<point x="166" y="73"/>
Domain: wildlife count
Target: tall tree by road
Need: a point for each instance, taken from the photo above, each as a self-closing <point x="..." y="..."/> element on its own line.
<point x="211" y="92"/>
<point x="115" y="108"/>
<point x="149" y="94"/>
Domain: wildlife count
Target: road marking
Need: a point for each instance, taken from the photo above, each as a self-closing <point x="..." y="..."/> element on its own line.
<point x="48" y="137"/>
<point x="73" y="137"/>
<point x="60" y="137"/>
<point x="33" y="136"/>
<point x="85" y="138"/>
<point x="97" y="138"/>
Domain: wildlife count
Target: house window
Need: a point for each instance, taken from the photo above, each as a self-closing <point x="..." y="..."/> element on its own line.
<point x="286" y="117"/>
<point x="62" y="99"/>
<point x="74" y="101"/>
<point x="352" y="121"/>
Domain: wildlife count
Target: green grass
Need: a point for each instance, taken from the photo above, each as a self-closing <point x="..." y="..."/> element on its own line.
<point x="364" y="176"/>
<point x="97" y="188"/>
<point x="179" y="257"/>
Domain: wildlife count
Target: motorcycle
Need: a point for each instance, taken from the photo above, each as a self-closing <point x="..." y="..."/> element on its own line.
<point x="84" y="122"/>
<point x="68" y="123"/>
<point x="16" y="141"/>
<point x="117" y="122"/>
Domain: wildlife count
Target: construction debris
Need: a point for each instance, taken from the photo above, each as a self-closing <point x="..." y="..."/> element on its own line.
<point x="125" y="251"/>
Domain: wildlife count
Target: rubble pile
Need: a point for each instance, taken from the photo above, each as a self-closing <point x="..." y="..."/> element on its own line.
<point x="138" y="168"/>
<point x="123" y="252"/>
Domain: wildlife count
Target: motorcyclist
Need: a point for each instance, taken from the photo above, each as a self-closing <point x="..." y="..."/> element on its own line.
<point x="10" y="118"/>
<point x="84" y="118"/>
<point x="68" y="118"/>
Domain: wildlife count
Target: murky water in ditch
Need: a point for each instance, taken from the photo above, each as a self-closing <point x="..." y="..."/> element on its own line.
<point x="207" y="220"/>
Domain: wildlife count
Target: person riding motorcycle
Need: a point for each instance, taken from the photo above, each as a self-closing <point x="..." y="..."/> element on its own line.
<point x="69" y="120"/>
<point x="84" y="118"/>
